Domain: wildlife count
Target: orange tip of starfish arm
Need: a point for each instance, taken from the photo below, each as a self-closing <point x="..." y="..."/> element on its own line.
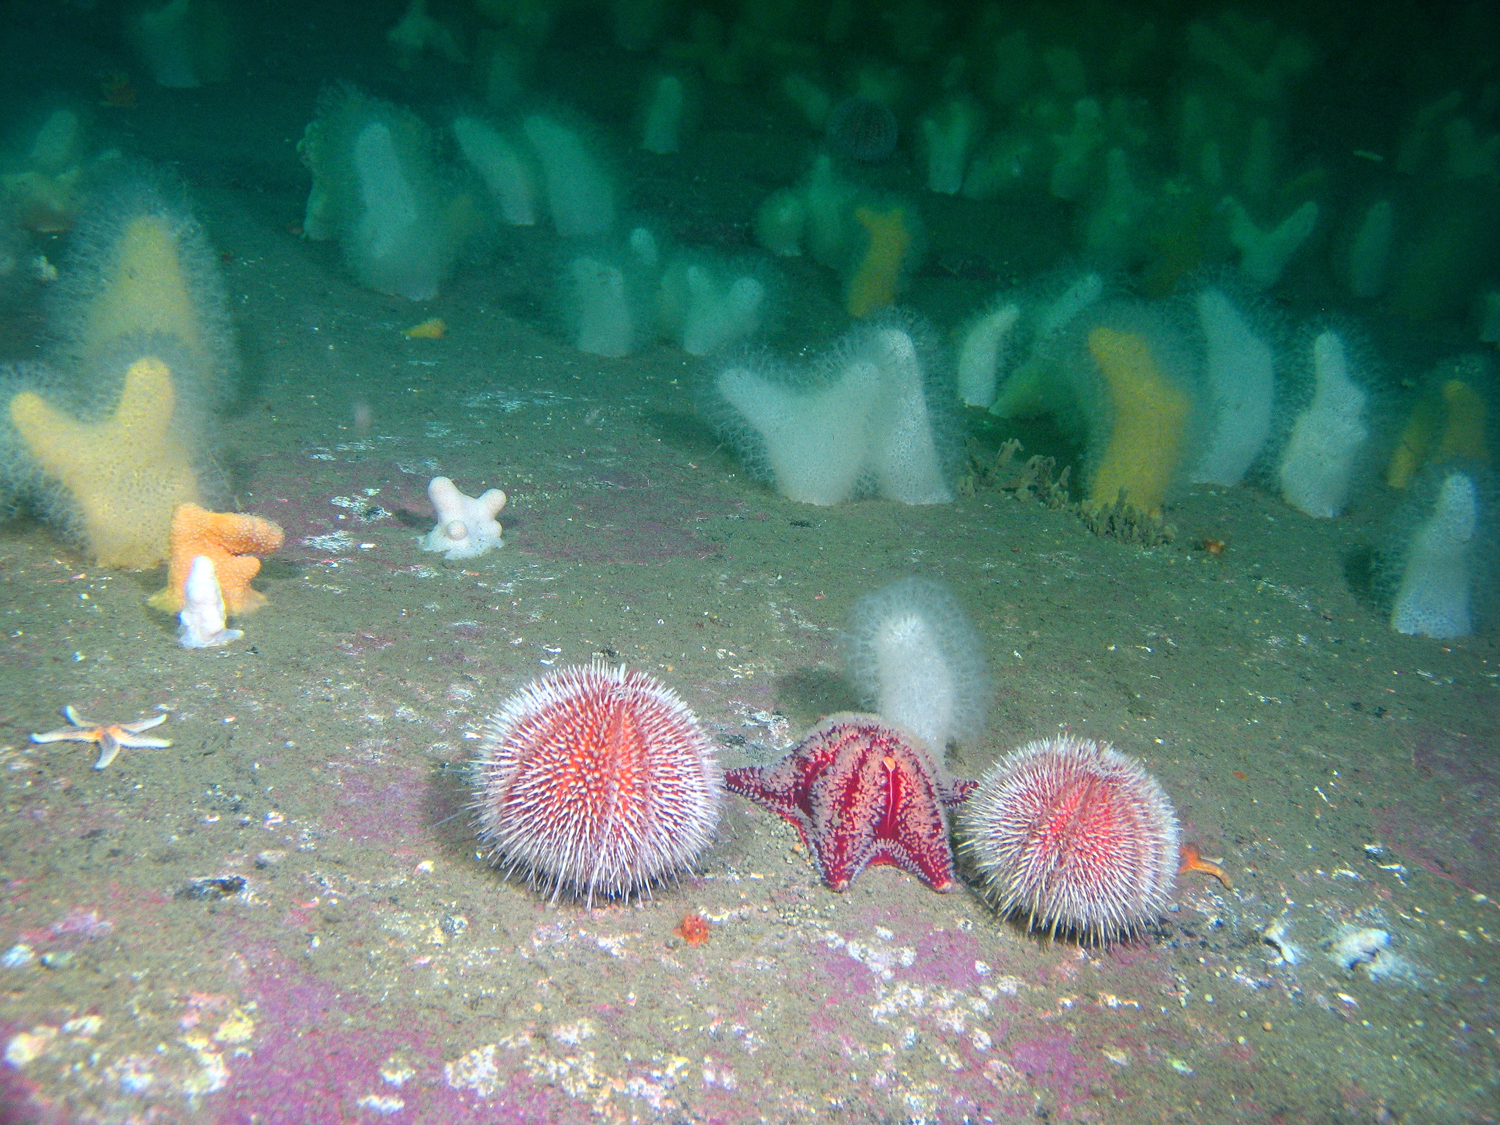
<point x="1192" y="860"/>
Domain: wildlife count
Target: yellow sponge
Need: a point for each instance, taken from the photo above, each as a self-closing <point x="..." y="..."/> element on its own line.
<point x="1150" y="415"/>
<point x="1414" y="444"/>
<point x="877" y="274"/>
<point x="145" y="294"/>
<point x="1438" y="431"/>
<point x="1463" y="425"/>
<point x="124" y="474"/>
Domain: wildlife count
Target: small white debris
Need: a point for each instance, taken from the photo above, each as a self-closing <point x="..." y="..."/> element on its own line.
<point x="396" y="1072"/>
<point x="1353" y="947"/>
<point x="572" y="1034"/>
<point x="1275" y="935"/>
<point x="27" y="1046"/>
<point x="333" y="543"/>
<point x="383" y="1104"/>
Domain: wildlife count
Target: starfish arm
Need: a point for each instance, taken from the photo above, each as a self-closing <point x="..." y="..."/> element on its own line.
<point x="758" y="785"/>
<point x="1192" y="860"/>
<point x="850" y="808"/>
<point x="958" y="792"/>
<point x="859" y="794"/>
<point x="109" y="747"/>
<point x="67" y="734"/>
<point x="936" y="870"/>
<point x="912" y="832"/>
<point x="138" y="725"/>
<point x="71" y="714"/>
<point x="753" y="783"/>
<point x="843" y="852"/>
<point x="138" y="742"/>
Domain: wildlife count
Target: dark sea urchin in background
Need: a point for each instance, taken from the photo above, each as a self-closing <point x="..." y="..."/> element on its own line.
<point x="862" y="129"/>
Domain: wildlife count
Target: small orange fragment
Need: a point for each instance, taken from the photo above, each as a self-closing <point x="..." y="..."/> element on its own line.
<point x="693" y="929"/>
<point x="1192" y="860"/>
<point x="1239" y="775"/>
<point x="431" y="329"/>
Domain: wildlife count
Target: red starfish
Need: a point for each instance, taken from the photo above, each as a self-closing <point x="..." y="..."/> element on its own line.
<point x="861" y="793"/>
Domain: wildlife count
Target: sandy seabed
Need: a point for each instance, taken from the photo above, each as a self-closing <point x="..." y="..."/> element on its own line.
<point x="282" y="918"/>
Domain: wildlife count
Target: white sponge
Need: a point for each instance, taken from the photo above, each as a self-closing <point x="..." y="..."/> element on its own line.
<point x="914" y="657"/>
<point x="1433" y="599"/>
<point x="1317" y="467"/>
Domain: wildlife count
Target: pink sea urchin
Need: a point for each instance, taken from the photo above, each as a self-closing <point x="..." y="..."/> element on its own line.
<point x="596" y="780"/>
<point x="1074" y="834"/>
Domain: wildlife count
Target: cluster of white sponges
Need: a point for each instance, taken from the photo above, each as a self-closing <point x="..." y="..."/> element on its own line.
<point x="870" y="418"/>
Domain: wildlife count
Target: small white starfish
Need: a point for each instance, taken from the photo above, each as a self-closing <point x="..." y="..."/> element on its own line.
<point x="109" y="737"/>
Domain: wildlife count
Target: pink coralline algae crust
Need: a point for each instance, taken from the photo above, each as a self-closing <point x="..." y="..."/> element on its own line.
<point x="379" y="802"/>
<point x="299" y="500"/>
<point x="947" y="957"/>
<point x="76" y="926"/>
<point x="77" y="922"/>
<point x="1459" y="839"/>
<point x="21" y="1100"/>
<point x="626" y="520"/>
<point x="316" y="1053"/>
<point x="1052" y="1064"/>
<point x="1137" y="950"/>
